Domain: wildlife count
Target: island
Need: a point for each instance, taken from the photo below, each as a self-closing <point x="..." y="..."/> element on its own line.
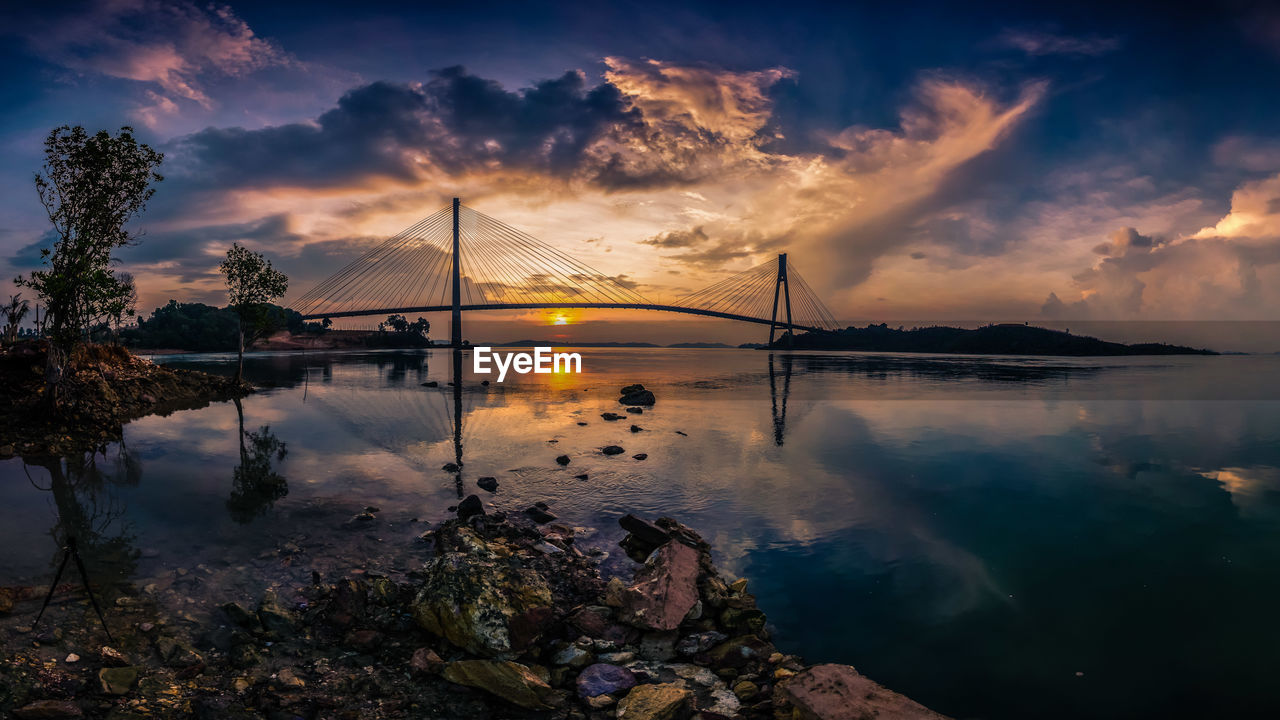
<point x="996" y="339"/>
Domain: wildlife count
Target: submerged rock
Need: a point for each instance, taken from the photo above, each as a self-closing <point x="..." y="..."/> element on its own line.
<point x="539" y="514"/>
<point x="510" y="681"/>
<point x="488" y="483"/>
<point x="636" y="395"/>
<point x="563" y="459"/>
<point x="117" y="680"/>
<point x="611" y="416"/>
<point x="636" y="410"/>
<point x="612" y="450"/>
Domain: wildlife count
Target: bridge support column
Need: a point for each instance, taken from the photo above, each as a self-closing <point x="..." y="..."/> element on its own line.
<point x="781" y="286"/>
<point x="455" y="336"/>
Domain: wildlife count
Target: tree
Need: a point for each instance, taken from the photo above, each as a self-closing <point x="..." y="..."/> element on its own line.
<point x="251" y="284"/>
<point x="91" y="187"/>
<point x="13" y="314"/>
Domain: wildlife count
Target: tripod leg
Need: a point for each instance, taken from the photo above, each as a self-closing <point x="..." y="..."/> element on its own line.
<point x="84" y="575"/>
<point x="66" y="555"/>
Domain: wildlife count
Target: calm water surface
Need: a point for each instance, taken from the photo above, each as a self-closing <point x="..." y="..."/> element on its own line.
<point x="997" y="538"/>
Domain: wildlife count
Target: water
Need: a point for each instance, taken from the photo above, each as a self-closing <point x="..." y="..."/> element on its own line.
<point x="997" y="538"/>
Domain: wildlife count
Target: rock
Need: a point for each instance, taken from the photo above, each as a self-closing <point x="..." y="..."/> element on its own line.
<point x="510" y="681"/>
<point x="618" y="658"/>
<point x="450" y="467"/>
<point x="117" y="680"/>
<point x="838" y="692"/>
<point x="737" y="652"/>
<point x="488" y="483"/>
<point x="637" y="397"/>
<point x="583" y="476"/>
<point x="573" y="656"/>
<point x="627" y="390"/>
<point x="111" y="657"/>
<point x="478" y="601"/>
<point x="431" y="383"/>
<point x="611" y="416"/>
<point x="6" y="594"/>
<point x="177" y="654"/>
<point x="613" y="592"/>
<point x="636" y="429"/>
<point x="604" y="679"/>
<point x="239" y="616"/>
<point x="653" y="702"/>
<point x="658" y="646"/>
<point x="681" y="432"/>
<point x="287" y="679"/>
<point x="563" y="459"/>
<point x="591" y="620"/>
<point x="699" y="642"/>
<point x="276" y="619"/>
<point x="360" y="519"/>
<point x="644" y="531"/>
<point x="581" y="424"/>
<point x="636" y="410"/>
<point x="600" y="702"/>
<point x="665" y="589"/>
<point x="72" y="658"/>
<point x="745" y="690"/>
<point x="612" y="450"/>
<point x="539" y="515"/>
<point x="640" y="456"/>
<point x="470" y="507"/>
<point x="49" y="710"/>
<point x="425" y="661"/>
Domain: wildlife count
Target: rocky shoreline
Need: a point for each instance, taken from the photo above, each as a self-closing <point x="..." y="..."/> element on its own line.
<point x="105" y="387"/>
<point x="505" y="618"/>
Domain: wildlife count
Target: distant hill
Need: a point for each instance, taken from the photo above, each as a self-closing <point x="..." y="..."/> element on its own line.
<point x="699" y="345"/>
<point x="1003" y="339"/>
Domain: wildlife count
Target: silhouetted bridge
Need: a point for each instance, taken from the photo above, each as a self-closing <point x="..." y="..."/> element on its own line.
<point x="458" y="259"/>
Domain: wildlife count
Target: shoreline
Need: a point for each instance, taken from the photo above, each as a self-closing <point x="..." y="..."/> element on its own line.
<point x="507" y="615"/>
<point x="104" y="388"/>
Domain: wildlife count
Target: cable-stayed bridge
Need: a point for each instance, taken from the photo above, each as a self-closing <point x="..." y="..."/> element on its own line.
<point x="459" y="259"/>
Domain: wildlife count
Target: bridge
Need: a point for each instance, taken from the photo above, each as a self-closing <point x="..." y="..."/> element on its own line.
<point x="458" y="259"/>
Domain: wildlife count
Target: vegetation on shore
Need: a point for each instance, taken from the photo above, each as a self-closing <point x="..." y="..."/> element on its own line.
<point x="102" y="388"/>
<point x="1002" y="339"/>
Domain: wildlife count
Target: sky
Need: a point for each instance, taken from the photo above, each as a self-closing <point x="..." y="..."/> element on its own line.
<point x="975" y="161"/>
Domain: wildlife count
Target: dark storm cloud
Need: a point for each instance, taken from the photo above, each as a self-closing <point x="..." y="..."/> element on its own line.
<point x="456" y="122"/>
<point x="193" y="254"/>
<point x="678" y="238"/>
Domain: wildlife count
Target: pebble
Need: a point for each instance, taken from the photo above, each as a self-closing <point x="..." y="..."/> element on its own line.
<point x="73" y="658"/>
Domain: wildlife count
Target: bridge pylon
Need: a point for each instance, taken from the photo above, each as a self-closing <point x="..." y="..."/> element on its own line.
<point x="455" y="326"/>
<point x="783" y="287"/>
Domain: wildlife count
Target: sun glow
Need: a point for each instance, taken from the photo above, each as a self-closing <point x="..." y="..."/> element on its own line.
<point x="560" y="317"/>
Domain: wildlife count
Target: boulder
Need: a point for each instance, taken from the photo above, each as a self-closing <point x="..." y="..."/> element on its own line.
<point x="511" y="681"/>
<point x="470" y="507"/>
<point x="643" y="531"/>
<point x="477" y="600"/>
<point x="636" y="397"/>
<point x="604" y="679"/>
<point x="838" y="692"/>
<point x="488" y="483"/>
<point x="665" y="589"/>
<point x="653" y="702"/>
<point x="49" y="710"/>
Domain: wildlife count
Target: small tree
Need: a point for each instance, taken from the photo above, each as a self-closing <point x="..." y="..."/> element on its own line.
<point x="13" y="314"/>
<point x="251" y="284"/>
<point x="91" y="186"/>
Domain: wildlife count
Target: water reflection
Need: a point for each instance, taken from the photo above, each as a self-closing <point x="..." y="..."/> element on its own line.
<point x="255" y="485"/>
<point x="88" y="513"/>
<point x="986" y="527"/>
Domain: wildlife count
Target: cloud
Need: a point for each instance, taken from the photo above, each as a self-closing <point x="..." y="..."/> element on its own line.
<point x="1033" y="42"/>
<point x="1229" y="270"/>
<point x="172" y="48"/>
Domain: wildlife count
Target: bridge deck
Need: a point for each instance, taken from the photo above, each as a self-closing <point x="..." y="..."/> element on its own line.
<point x="552" y="306"/>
